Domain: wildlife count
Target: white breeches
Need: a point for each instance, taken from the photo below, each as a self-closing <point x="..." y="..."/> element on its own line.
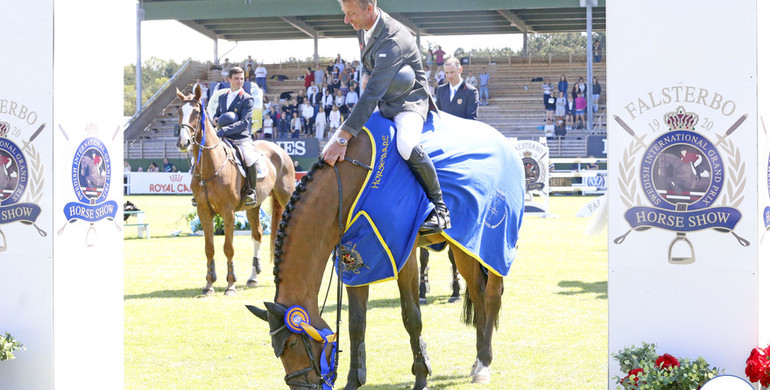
<point x="408" y="129"/>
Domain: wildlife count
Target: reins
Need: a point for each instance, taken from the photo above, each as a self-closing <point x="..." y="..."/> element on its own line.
<point x="327" y="375"/>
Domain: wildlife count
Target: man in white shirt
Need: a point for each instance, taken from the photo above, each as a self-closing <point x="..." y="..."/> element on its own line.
<point x="261" y="76"/>
<point x="306" y="110"/>
<point x="456" y="96"/>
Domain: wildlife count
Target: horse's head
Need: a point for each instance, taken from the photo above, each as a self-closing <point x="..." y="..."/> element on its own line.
<point x="189" y="118"/>
<point x="299" y="345"/>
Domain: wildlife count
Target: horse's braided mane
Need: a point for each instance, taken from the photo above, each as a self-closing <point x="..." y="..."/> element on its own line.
<point x="286" y="216"/>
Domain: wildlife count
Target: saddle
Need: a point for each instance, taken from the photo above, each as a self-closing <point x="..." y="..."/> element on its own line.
<point x="236" y="153"/>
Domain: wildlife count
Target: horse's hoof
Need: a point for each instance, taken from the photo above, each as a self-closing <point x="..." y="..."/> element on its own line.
<point x="423" y="301"/>
<point x="230" y="292"/>
<point x="207" y="292"/>
<point x="251" y="283"/>
<point x="453" y="299"/>
<point x="483" y="376"/>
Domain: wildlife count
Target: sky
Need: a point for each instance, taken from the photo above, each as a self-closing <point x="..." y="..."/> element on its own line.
<point x="188" y="43"/>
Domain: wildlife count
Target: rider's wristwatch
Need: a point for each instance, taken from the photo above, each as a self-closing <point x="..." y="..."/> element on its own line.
<point x="342" y="141"/>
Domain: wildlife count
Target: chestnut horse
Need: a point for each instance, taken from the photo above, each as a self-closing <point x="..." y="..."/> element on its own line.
<point x="218" y="186"/>
<point x="309" y="231"/>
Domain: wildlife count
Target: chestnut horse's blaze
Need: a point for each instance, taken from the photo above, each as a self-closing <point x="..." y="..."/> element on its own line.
<point x="217" y="185"/>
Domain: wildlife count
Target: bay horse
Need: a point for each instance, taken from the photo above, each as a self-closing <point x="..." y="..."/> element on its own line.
<point x="218" y="186"/>
<point x="310" y="229"/>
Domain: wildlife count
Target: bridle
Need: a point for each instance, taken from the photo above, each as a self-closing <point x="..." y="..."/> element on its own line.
<point x="327" y="374"/>
<point x="197" y="168"/>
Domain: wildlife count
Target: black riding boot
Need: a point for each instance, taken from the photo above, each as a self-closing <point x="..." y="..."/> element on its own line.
<point x="425" y="172"/>
<point x="251" y="194"/>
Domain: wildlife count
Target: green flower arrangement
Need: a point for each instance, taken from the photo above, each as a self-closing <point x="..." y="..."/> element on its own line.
<point x="648" y="370"/>
<point x="8" y="345"/>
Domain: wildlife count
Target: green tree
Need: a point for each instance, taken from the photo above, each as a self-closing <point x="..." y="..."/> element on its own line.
<point x="155" y="73"/>
<point x="559" y="44"/>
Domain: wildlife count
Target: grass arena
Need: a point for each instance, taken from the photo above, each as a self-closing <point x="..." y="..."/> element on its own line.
<point x="552" y="331"/>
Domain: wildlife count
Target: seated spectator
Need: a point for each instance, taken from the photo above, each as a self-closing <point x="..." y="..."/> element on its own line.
<point x="301" y="97"/>
<point x="167" y="166"/>
<point x="351" y="98"/>
<point x="339" y="101"/>
<point x="153" y="167"/>
<point x="139" y="169"/>
<point x="327" y="102"/>
<point x="592" y="165"/>
<point x="560" y="131"/>
<point x="126" y="166"/>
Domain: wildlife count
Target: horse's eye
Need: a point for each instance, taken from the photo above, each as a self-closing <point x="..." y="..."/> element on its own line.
<point x="293" y="342"/>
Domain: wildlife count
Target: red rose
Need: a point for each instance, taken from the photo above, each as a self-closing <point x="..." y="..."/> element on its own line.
<point x="758" y="367"/>
<point x="666" y="361"/>
<point x="636" y="372"/>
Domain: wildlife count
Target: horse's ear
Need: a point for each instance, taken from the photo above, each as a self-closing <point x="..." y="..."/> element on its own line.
<point x="179" y="94"/>
<point x="276" y="309"/>
<point x="198" y="92"/>
<point x="261" y="313"/>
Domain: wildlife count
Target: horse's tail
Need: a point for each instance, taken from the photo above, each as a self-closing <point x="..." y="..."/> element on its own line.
<point x="277" y="210"/>
<point x="469" y="315"/>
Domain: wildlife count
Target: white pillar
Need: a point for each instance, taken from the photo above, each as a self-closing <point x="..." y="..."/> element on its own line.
<point x="688" y="269"/>
<point x="61" y="298"/>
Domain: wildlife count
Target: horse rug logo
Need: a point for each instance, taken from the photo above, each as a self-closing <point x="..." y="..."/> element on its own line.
<point x="15" y="180"/>
<point x="351" y="259"/>
<point x="682" y="175"/>
<point x="497" y="211"/>
<point x="91" y="179"/>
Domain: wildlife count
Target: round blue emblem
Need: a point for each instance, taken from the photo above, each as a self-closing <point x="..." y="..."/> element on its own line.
<point x="13" y="172"/>
<point x="91" y="171"/>
<point x="681" y="167"/>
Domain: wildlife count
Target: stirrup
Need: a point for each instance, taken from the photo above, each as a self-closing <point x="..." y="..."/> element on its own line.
<point x="250" y="199"/>
<point x="436" y="222"/>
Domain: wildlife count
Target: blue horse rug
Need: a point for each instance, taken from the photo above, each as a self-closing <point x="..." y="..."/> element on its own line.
<point x="482" y="179"/>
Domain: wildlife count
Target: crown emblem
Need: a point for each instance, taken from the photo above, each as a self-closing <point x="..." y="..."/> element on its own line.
<point x="527" y="154"/>
<point x="681" y="120"/>
<point x="4" y="128"/>
<point x="91" y="129"/>
<point x="176" y="177"/>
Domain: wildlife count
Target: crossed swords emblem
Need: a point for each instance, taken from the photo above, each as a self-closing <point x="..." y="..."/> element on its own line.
<point x="681" y="236"/>
<point x="25" y="147"/>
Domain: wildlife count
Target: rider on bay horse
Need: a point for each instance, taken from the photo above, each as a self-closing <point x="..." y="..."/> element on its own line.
<point x="233" y="120"/>
<point x="395" y="82"/>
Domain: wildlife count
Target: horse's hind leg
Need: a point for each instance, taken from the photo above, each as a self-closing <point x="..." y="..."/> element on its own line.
<point x="485" y="328"/>
<point x="357" y="300"/>
<point x="256" y="238"/>
<point x="228" y="218"/>
<point x="482" y="310"/>
<point x="409" y="287"/>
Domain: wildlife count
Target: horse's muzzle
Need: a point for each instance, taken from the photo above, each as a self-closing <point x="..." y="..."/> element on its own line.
<point x="183" y="147"/>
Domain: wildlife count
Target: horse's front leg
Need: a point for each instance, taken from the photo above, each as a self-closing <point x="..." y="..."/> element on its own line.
<point x="409" y="288"/>
<point x="357" y="300"/>
<point x="256" y="239"/>
<point x="228" y="218"/>
<point x="207" y="224"/>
